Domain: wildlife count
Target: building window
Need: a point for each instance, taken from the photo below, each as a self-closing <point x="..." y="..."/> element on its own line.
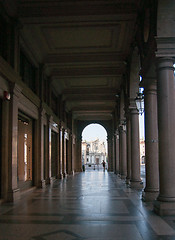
<point x="27" y="72"/>
<point x="54" y="102"/>
<point x="3" y="38"/>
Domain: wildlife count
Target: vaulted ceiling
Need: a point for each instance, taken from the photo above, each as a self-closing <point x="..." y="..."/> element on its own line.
<point x="84" y="46"/>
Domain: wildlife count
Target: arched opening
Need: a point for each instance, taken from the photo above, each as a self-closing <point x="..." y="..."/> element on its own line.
<point x="94" y="148"/>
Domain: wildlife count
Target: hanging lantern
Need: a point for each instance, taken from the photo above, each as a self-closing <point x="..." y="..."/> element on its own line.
<point x="140" y="103"/>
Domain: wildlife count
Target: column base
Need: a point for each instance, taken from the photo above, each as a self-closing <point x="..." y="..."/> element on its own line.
<point x="64" y="175"/>
<point x="136" y="184"/>
<point x="60" y="176"/>
<point x="42" y="184"/>
<point x="122" y="176"/>
<point x="13" y="195"/>
<point x="149" y="196"/>
<point x="51" y="180"/>
<point x="164" y="208"/>
<point x="127" y="180"/>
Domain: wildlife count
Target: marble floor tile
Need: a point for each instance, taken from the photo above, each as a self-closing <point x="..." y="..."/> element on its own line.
<point x="92" y="205"/>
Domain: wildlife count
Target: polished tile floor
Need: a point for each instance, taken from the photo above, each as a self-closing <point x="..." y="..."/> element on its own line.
<point x="92" y="205"/>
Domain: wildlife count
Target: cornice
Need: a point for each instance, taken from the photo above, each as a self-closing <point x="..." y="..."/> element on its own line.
<point x="165" y="47"/>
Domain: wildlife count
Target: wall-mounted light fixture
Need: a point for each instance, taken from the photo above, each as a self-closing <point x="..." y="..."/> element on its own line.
<point x="7" y="95"/>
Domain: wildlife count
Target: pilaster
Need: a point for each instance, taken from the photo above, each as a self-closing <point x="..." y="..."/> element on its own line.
<point x="39" y="149"/>
<point x="13" y="190"/>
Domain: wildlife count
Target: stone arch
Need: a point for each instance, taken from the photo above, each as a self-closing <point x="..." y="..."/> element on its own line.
<point x="108" y="126"/>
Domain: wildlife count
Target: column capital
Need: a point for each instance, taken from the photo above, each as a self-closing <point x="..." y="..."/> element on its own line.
<point x="165" y="63"/>
<point x="133" y="110"/>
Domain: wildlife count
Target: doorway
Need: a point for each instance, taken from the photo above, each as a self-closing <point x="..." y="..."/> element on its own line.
<point x="25" y="152"/>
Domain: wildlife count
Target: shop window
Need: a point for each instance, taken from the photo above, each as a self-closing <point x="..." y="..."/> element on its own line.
<point x="25" y="157"/>
<point x="7" y="40"/>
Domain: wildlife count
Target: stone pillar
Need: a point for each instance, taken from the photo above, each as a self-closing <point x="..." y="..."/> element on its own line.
<point x="13" y="190"/>
<point x="5" y="148"/>
<point x="110" y="159"/>
<point x="63" y="153"/>
<point x="73" y="153"/>
<point x="49" y="149"/>
<point x="165" y="204"/>
<point x="151" y="144"/>
<point x="123" y="159"/>
<point x="135" y="181"/>
<point x="70" y="154"/>
<point x="60" y="174"/>
<point x="114" y="152"/>
<point x="39" y="149"/>
<point x="65" y="172"/>
<point x="128" y="177"/>
<point x="78" y="154"/>
<point x="117" y="152"/>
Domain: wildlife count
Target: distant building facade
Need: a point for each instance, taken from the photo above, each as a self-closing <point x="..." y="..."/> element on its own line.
<point x="142" y="151"/>
<point x="93" y="152"/>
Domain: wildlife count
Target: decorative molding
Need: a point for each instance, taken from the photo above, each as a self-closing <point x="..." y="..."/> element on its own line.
<point x="165" y="47"/>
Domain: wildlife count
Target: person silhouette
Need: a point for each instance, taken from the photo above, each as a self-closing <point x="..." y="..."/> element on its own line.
<point x="103" y="163"/>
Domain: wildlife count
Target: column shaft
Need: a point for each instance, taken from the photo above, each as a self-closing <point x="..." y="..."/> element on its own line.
<point x="117" y="152"/>
<point x="123" y="158"/>
<point x="128" y="151"/>
<point x="165" y="203"/>
<point x="135" y="150"/>
<point x="110" y="158"/>
<point x="151" y="144"/>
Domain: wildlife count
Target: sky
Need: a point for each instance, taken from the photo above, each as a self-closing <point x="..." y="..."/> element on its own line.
<point x="141" y="124"/>
<point x="94" y="131"/>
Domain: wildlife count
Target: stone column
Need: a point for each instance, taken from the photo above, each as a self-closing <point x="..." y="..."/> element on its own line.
<point x="73" y="153"/>
<point x="13" y="190"/>
<point x="135" y="181"/>
<point x="78" y="154"/>
<point x="123" y="159"/>
<point x="151" y="143"/>
<point x="70" y="157"/>
<point x="117" y="152"/>
<point x="114" y="152"/>
<point x="128" y="177"/>
<point x="49" y="150"/>
<point x="110" y="159"/>
<point x="63" y="153"/>
<point x="165" y="204"/>
<point x="60" y="174"/>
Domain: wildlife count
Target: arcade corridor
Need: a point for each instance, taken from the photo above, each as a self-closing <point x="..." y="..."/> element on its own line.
<point x="92" y="205"/>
